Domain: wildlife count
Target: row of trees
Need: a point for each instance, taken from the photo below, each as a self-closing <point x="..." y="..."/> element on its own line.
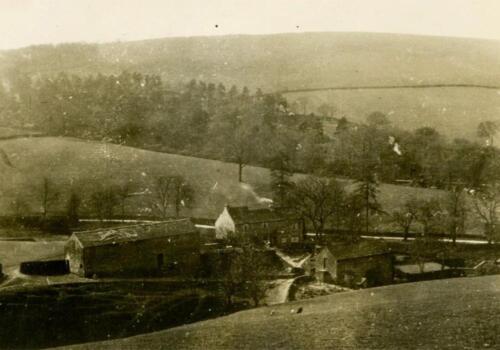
<point x="326" y="205"/>
<point x="166" y="196"/>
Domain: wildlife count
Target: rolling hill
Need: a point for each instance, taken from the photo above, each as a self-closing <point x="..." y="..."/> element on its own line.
<point x="284" y="62"/>
<point x="84" y="165"/>
<point x="459" y="313"/>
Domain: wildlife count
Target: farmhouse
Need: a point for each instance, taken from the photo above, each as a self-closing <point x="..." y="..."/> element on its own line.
<point x="275" y="225"/>
<point x="365" y="264"/>
<point x="164" y="248"/>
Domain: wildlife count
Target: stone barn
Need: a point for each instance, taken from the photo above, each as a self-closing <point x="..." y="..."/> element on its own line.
<point x="151" y="249"/>
<point x="364" y="264"/>
<point x="276" y="225"/>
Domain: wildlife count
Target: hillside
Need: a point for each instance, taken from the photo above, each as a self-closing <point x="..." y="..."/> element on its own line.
<point x="280" y="61"/>
<point x="84" y="165"/>
<point x="444" y="314"/>
<point x="304" y="61"/>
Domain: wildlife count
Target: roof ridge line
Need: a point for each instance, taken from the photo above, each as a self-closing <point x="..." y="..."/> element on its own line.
<point x="135" y="225"/>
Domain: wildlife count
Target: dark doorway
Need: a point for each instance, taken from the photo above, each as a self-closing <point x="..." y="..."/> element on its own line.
<point x="160" y="261"/>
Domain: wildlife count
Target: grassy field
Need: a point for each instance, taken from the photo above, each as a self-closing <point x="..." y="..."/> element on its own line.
<point x="457" y="313"/>
<point x="454" y="112"/>
<point x="83" y="165"/>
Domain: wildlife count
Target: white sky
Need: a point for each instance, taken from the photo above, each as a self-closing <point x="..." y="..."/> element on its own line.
<point x="27" y="22"/>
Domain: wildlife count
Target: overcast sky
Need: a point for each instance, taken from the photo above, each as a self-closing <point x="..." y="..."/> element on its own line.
<point x="27" y="22"/>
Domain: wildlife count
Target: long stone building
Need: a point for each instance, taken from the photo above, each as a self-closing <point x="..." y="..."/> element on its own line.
<point x="275" y="225"/>
<point x="164" y="248"/>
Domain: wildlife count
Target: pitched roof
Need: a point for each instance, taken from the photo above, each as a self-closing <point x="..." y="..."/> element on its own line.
<point x="244" y="215"/>
<point x="414" y="269"/>
<point x="357" y="250"/>
<point x="135" y="232"/>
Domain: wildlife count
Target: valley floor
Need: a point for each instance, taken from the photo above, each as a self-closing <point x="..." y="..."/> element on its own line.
<point x="459" y="313"/>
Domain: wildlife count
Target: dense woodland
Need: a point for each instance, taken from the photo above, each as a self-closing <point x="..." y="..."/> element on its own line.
<point x="237" y="125"/>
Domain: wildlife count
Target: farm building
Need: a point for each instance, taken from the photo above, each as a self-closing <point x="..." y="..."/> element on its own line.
<point x="164" y="248"/>
<point x="275" y="225"/>
<point x="364" y="264"/>
<point x="425" y="271"/>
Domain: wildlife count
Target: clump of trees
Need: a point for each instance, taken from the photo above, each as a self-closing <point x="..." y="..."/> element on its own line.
<point x="166" y="195"/>
<point x="244" y="273"/>
<point x="326" y="204"/>
<point x="171" y="191"/>
<point x="317" y="200"/>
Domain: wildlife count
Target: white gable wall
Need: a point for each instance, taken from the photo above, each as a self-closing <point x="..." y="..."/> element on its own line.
<point x="224" y="225"/>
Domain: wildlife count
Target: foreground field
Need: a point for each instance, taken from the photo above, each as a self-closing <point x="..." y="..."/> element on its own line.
<point x="445" y="314"/>
<point x="84" y="165"/>
<point x="45" y="316"/>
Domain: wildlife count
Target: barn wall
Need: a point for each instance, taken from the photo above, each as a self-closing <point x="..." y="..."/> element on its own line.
<point x="271" y="230"/>
<point x="325" y="266"/>
<point x="74" y="254"/>
<point x="172" y="255"/>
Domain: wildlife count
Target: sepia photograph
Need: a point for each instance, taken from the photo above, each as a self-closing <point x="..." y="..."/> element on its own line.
<point x="236" y="174"/>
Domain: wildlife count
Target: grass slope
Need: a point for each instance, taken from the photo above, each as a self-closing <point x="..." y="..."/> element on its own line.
<point x="309" y="60"/>
<point x="443" y="314"/>
<point x="83" y="165"/>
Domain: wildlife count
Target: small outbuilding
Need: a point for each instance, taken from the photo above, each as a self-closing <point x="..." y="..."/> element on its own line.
<point x="425" y="271"/>
<point x="363" y="264"/>
<point x="163" y="248"/>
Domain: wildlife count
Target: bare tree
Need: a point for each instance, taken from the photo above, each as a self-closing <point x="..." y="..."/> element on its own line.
<point x="182" y="194"/>
<point x="228" y="272"/>
<point x="405" y="217"/>
<point x="48" y="195"/>
<point x="162" y="192"/>
<point x="73" y="206"/>
<point x="255" y="269"/>
<point x="456" y="208"/>
<point x="488" y="129"/>
<point x="123" y="192"/>
<point x="421" y="249"/>
<point x="352" y="215"/>
<point x="429" y="214"/>
<point x="314" y="199"/>
<point x="486" y="202"/>
<point x="244" y="273"/>
<point x="242" y="148"/>
<point x="367" y="192"/>
<point x="104" y="202"/>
